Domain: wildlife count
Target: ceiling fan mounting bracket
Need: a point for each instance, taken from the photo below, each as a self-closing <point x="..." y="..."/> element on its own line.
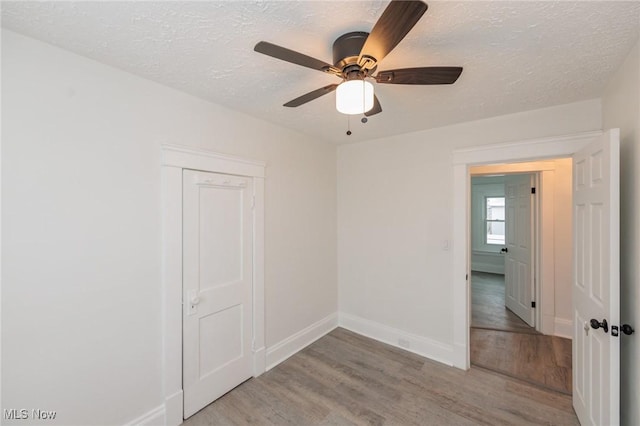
<point x="368" y="63"/>
<point x="353" y="72"/>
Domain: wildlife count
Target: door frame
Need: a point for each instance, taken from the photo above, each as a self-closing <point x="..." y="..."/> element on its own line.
<point x="463" y="160"/>
<point x="175" y="158"/>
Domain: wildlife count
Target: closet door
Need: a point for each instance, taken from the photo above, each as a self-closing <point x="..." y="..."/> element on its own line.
<point x="217" y="285"/>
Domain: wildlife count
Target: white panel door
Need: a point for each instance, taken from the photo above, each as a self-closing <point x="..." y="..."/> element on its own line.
<point x="519" y="256"/>
<point x="217" y="283"/>
<point x="596" y="282"/>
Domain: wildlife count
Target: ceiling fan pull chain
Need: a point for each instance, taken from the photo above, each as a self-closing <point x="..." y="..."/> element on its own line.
<point x="363" y="110"/>
<point x="348" y="125"/>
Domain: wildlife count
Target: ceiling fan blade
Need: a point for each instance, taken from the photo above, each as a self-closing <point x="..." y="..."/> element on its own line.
<point x="394" y="24"/>
<point x="376" y="107"/>
<point x="311" y="96"/>
<point x="424" y="75"/>
<point x="289" y="55"/>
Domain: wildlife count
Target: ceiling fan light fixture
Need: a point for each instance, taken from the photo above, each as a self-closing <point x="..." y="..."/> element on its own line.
<point x="354" y="97"/>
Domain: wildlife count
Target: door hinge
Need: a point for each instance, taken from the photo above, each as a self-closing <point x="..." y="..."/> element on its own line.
<point x="466" y="277"/>
<point x="533" y="190"/>
<point x="533" y="304"/>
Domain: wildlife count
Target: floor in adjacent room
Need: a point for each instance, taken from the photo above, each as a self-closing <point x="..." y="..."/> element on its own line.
<point x="347" y="379"/>
<point x="502" y="342"/>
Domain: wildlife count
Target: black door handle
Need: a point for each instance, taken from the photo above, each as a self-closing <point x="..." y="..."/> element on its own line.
<point x="504" y="250"/>
<point x="627" y="329"/>
<point x="595" y="324"/>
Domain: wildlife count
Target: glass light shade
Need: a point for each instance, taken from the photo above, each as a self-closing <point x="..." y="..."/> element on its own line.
<point x="354" y="97"/>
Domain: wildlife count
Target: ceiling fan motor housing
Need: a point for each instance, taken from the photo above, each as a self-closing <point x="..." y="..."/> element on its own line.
<point x="346" y="50"/>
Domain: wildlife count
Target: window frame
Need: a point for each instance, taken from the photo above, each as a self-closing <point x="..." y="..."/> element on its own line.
<point x="486" y="220"/>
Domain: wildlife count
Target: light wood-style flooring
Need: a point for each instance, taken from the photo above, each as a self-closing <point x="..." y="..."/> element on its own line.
<point x="347" y="379"/>
<point x="488" y="305"/>
<point x="538" y="359"/>
<point x="502" y="342"/>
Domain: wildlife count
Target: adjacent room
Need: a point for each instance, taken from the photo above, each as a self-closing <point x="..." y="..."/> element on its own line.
<point x="320" y="212"/>
<point x="515" y="328"/>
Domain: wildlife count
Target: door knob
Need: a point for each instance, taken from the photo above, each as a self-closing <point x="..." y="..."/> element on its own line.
<point x="192" y="301"/>
<point x="596" y="325"/>
<point x="627" y="329"/>
<point x="504" y="250"/>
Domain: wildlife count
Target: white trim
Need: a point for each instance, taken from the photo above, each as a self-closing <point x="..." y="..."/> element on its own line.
<point x="298" y="341"/>
<point x="259" y="350"/>
<point x="172" y="290"/>
<point x="487" y="268"/>
<point x="481" y="262"/>
<point x="154" y="417"/>
<point x="200" y="159"/>
<point x="529" y="149"/>
<point x="174" y="408"/>
<point x="420" y="345"/>
<point x="560" y="146"/>
<point x="488" y="170"/>
<point x="259" y="361"/>
<point x="461" y="266"/>
<point x="563" y="328"/>
<point x="545" y="265"/>
<point x="174" y="160"/>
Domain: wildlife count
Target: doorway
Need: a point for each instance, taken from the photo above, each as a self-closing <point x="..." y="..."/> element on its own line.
<point x="463" y="159"/>
<point x="244" y="180"/>
<point x="504" y="271"/>
<point x="503" y="213"/>
<point x="597" y="167"/>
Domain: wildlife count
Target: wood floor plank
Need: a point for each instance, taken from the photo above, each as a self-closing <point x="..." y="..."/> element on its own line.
<point x="348" y="379"/>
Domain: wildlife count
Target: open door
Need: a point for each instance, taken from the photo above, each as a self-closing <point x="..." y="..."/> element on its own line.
<point x="518" y="263"/>
<point x="596" y="282"/>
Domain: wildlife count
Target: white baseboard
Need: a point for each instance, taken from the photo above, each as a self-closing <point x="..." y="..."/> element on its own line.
<point x="563" y="328"/>
<point x="488" y="268"/>
<point x="295" y="343"/>
<point x="155" y="417"/>
<point x="547" y="324"/>
<point x="460" y="357"/>
<point x="420" y="345"/>
<point x="259" y="361"/>
<point x="174" y="409"/>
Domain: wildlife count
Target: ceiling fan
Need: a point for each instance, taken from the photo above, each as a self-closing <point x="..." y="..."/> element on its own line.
<point x="355" y="59"/>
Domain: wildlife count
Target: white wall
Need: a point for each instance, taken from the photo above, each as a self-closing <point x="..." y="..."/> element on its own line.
<point x="621" y="108"/>
<point x="395" y="214"/>
<point x="81" y="302"/>
<point x="563" y="243"/>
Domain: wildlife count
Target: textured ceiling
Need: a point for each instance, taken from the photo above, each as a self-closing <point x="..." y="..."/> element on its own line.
<point x="516" y="55"/>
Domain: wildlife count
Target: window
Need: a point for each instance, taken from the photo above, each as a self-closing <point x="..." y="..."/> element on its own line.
<point x="494" y="219"/>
